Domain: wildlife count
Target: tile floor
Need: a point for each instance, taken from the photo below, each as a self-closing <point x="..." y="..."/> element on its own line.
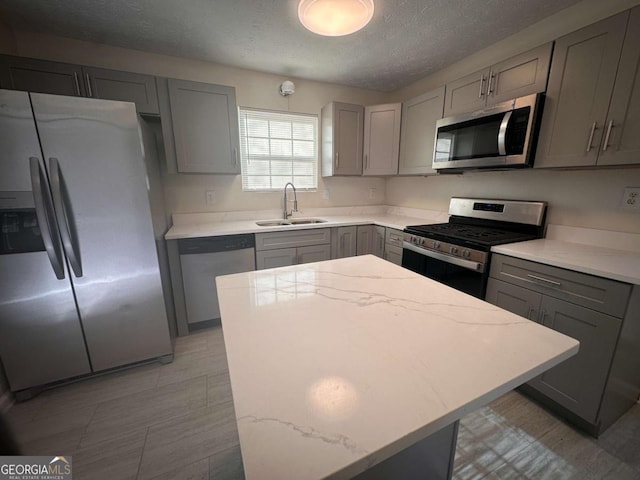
<point x="176" y="421"/>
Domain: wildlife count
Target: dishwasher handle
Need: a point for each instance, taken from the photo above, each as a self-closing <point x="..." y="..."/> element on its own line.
<point x="222" y="243"/>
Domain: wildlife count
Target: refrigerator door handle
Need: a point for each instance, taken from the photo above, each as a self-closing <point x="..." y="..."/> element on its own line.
<point x="64" y="214"/>
<point x="45" y="215"/>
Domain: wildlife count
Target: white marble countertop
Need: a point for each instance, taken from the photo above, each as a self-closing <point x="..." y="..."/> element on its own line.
<point x="605" y="254"/>
<point x="209" y="225"/>
<point x="338" y="365"/>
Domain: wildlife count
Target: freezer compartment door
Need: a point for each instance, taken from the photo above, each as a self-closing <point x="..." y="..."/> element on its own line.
<point x="40" y="335"/>
<point x="94" y="158"/>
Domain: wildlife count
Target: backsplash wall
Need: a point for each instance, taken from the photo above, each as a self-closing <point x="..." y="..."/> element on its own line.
<point x="582" y="198"/>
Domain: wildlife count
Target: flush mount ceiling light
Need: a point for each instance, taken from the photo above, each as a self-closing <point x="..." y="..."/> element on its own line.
<point x="334" y="18"/>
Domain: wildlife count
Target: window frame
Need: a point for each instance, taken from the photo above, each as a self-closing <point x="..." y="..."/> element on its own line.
<point x="245" y="158"/>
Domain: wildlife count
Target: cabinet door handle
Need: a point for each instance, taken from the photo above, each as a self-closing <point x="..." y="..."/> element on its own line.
<point x="607" y="135"/>
<point x="594" y="126"/>
<point x="544" y="280"/>
<point x="337" y="160"/>
<point x="530" y="312"/>
<point x="490" y="87"/>
<point x="481" y="86"/>
<point x="543" y="315"/>
<point x="235" y="156"/>
<point x="366" y="161"/>
<point x="75" y="79"/>
<point x="89" y="91"/>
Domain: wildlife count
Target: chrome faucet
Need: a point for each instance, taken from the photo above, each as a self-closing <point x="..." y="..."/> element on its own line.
<point x="286" y="214"/>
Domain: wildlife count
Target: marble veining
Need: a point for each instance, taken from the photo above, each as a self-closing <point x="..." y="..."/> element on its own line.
<point x="310" y="432"/>
<point x="337" y="365"/>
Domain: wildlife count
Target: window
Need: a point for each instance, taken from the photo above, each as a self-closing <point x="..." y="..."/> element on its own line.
<point x="276" y="148"/>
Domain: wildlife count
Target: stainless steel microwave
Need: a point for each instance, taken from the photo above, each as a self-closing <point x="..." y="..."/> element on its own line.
<point x="498" y="137"/>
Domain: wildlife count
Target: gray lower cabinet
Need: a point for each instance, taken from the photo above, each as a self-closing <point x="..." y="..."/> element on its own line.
<point x="344" y="242"/>
<point x="204" y="127"/>
<point x="32" y="75"/>
<point x="601" y="382"/>
<point x="281" y="249"/>
<point x="378" y="241"/>
<point x="418" y="131"/>
<point x="393" y="246"/>
<point x="365" y="239"/>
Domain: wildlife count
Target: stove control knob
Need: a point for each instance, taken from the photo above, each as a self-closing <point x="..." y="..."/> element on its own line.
<point x="453" y="250"/>
<point x="436" y="245"/>
<point x="466" y="253"/>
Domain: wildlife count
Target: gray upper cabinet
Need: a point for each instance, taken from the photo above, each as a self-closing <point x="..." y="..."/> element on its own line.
<point x="417" y="135"/>
<point x="124" y="86"/>
<point x="621" y="143"/>
<point x="342" y="139"/>
<point x="517" y="76"/>
<point x="581" y="81"/>
<point x="31" y="75"/>
<point x="466" y="94"/>
<point x="381" y="139"/>
<point x="42" y="76"/>
<point x="205" y="127"/>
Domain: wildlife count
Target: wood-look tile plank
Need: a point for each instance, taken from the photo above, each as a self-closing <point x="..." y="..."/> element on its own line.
<point x="53" y="424"/>
<point x="117" y="458"/>
<point x="184" y="440"/>
<point x="219" y="389"/>
<point x="63" y="443"/>
<point x="101" y="389"/>
<point x="196" y="471"/>
<point x="149" y="407"/>
<point x="193" y="365"/>
<point x="227" y="465"/>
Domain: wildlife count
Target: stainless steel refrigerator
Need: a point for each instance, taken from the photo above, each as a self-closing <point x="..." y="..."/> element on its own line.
<point x="80" y="287"/>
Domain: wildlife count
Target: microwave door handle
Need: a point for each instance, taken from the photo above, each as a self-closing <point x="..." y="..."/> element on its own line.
<point x="65" y="217"/>
<point x="502" y="133"/>
<point x="45" y="215"/>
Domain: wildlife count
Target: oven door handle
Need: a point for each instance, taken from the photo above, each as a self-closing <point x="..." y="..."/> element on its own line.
<point x="460" y="262"/>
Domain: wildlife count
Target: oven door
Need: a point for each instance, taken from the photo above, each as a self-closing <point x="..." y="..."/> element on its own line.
<point x="464" y="275"/>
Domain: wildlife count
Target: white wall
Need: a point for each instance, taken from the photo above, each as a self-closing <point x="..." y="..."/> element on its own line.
<point x="186" y="193"/>
<point x="587" y="198"/>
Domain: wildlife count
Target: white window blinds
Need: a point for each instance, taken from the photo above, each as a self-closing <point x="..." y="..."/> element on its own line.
<point x="276" y="148"/>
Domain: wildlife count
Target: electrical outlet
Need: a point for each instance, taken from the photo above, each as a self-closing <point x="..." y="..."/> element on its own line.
<point x="372" y="193"/>
<point x="631" y="198"/>
<point x="210" y="197"/>
<point x="325" y="194"/>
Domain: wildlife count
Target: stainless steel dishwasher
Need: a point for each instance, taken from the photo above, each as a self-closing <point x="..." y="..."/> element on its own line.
<point x="202" y="260"/>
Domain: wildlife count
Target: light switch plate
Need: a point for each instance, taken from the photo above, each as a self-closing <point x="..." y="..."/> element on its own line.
<point x="210" y="197"/>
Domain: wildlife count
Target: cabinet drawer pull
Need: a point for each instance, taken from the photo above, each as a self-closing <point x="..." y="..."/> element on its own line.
<point x="481" y="86"/>
<point x="594" y="126"/>
<point x="544" y="280"/>
<point x="89" y="91"/>
<point x="75" y="79"/>
<point x="607" y="135"/>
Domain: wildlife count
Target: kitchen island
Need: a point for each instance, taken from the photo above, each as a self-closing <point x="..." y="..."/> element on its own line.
<point x="358" y="367"/>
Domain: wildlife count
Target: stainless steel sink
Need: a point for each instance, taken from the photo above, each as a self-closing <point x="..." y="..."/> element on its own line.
<point x="306" y="221"/>
<point x="272" y="223"/>
<point x="293" y="221"/>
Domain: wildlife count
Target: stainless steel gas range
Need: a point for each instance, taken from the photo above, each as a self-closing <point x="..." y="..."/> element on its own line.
<point x="458" y="253"/>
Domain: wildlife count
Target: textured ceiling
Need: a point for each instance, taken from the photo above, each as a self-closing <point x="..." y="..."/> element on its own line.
<point x="405" y="40"/>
